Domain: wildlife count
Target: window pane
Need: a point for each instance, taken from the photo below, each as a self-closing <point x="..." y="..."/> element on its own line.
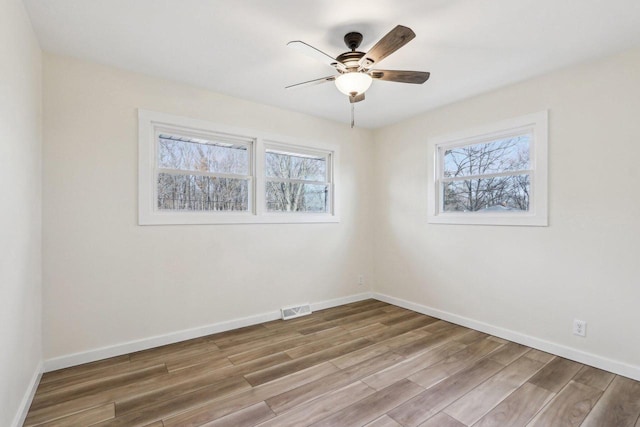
<point x="183" y="153"/>
<point x="296" y="197"/>
<point x="501" y="155"/>
<point x="295" y="166"/>
<point x="202" y="193"/>
<point x="505" y="193"/>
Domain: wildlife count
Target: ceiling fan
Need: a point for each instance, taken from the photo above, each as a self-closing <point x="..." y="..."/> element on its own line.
<point x="356" y="69"/>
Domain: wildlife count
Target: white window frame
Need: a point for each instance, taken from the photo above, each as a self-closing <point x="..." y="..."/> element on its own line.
<point x="296" y="149"/>
<point x="247" y="142"/>
<point x="151" y="123"/>
<point x="537" y="125"/>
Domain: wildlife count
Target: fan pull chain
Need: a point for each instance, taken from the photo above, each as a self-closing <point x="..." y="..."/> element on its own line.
<point x="353" y="120"/>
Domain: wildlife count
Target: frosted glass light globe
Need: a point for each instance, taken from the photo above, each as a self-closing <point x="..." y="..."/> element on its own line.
<point x="348" y="83"/>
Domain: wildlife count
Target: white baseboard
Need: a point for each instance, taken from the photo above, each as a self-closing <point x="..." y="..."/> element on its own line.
<point x="590" y="359"/>
<point x="23" y="409"/>
<point x="340" y="301"/>
<point x="173" y="337"/>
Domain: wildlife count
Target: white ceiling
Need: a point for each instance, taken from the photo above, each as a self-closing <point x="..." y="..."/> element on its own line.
<point x="238" y="47"/>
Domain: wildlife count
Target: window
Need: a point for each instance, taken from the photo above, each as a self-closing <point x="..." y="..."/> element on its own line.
<point x="208" y="173"/>
<point x="495" y="176"/>
<point x="195" y="172"/>
<point x="297" y="180"/>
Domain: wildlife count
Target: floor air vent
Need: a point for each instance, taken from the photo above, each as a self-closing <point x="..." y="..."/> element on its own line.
<point x="296" y="311"/>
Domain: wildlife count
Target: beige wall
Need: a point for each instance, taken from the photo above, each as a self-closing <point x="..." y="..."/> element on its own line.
<point x="109" y="281"/>
<point x="530" y="280"/>
<point x="20" y="209"/>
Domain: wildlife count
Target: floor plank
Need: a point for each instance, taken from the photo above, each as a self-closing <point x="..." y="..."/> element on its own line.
<point x="372" y="407"/>
<point x="220" y="387"/>
<point x="556" y="374"/>
<point x="540" y="356"/>
<point x="425" y="343"/>
<point x="267" y="339"/>
<point x="165" y="408"/>
<point x="569" y="408"/>
<point x="386" y="377"/>
<point x="431" y="375"/>
<point x="60" y="409"/>
<point x="289" y="367"/>
<point x="85" y="418"/>
<point x="84" y="368"/>
<point x="284" y="345"/>
<point x="383" y="421"/>
<point x="594" y="377"/>
<point x="288" y="399"/>
<point x="517" y="409"/>
<point x="619" y="405"/>
<point x="77" y="390"/>
<point x="318" y="409"/>
<point x="246" y="417"/>
<point x="439" y="326"/>
<point x="471" y="407"/>
<point x="401" y="317"/>
<point x="212" y="359"/>
<point x="97" y="375"/>
<point x="320" y="344"/>
<point x="442" y="420"/>
<point x="201" y="414"/>
<point x="510" y="352"/>
<point x="234" y="370"/>
<point x="433" y="400"/>
<point x="361" y="355"/>
<point x="174" y="352"/>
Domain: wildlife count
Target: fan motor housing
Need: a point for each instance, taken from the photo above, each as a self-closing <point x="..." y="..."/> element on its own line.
<point x="350" y="59"/>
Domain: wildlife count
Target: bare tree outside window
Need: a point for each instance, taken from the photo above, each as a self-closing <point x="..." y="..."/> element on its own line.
<point x="202" y="175"/>
<point x="492" y="176"/>
<point x="296" y="182"/>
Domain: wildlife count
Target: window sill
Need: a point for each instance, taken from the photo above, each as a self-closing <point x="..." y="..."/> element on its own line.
<point x="511" y="219"/>
<point x="196" y="218"/>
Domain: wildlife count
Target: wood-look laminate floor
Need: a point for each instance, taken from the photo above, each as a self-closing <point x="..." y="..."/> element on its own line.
<point x="361" y="364"/>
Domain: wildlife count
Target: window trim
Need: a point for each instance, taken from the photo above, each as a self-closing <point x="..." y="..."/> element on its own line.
<point x="537" y="124"/>
<point x="148" y="124"/>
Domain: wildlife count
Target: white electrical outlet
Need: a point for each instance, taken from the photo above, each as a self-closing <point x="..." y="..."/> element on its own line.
<point x="360" y="280"/>
<point x="580" y="327"/>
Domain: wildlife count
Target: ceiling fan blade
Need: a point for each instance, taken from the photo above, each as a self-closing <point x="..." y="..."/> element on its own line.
<point x="416" y="77"/>
<point x="391" y="42"/>
<point x="311" y="51"/>
<point x="357" y="98"/>
<point x="312" y="82"/>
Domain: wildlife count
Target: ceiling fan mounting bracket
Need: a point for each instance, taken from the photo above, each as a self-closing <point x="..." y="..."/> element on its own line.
<point x="353" y="40"/>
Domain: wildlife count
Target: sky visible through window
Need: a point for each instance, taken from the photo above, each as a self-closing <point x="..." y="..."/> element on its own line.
<point x="192" y="154"/>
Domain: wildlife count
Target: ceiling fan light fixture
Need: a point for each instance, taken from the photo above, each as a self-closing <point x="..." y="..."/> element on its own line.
<point x="353" y="83"/>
